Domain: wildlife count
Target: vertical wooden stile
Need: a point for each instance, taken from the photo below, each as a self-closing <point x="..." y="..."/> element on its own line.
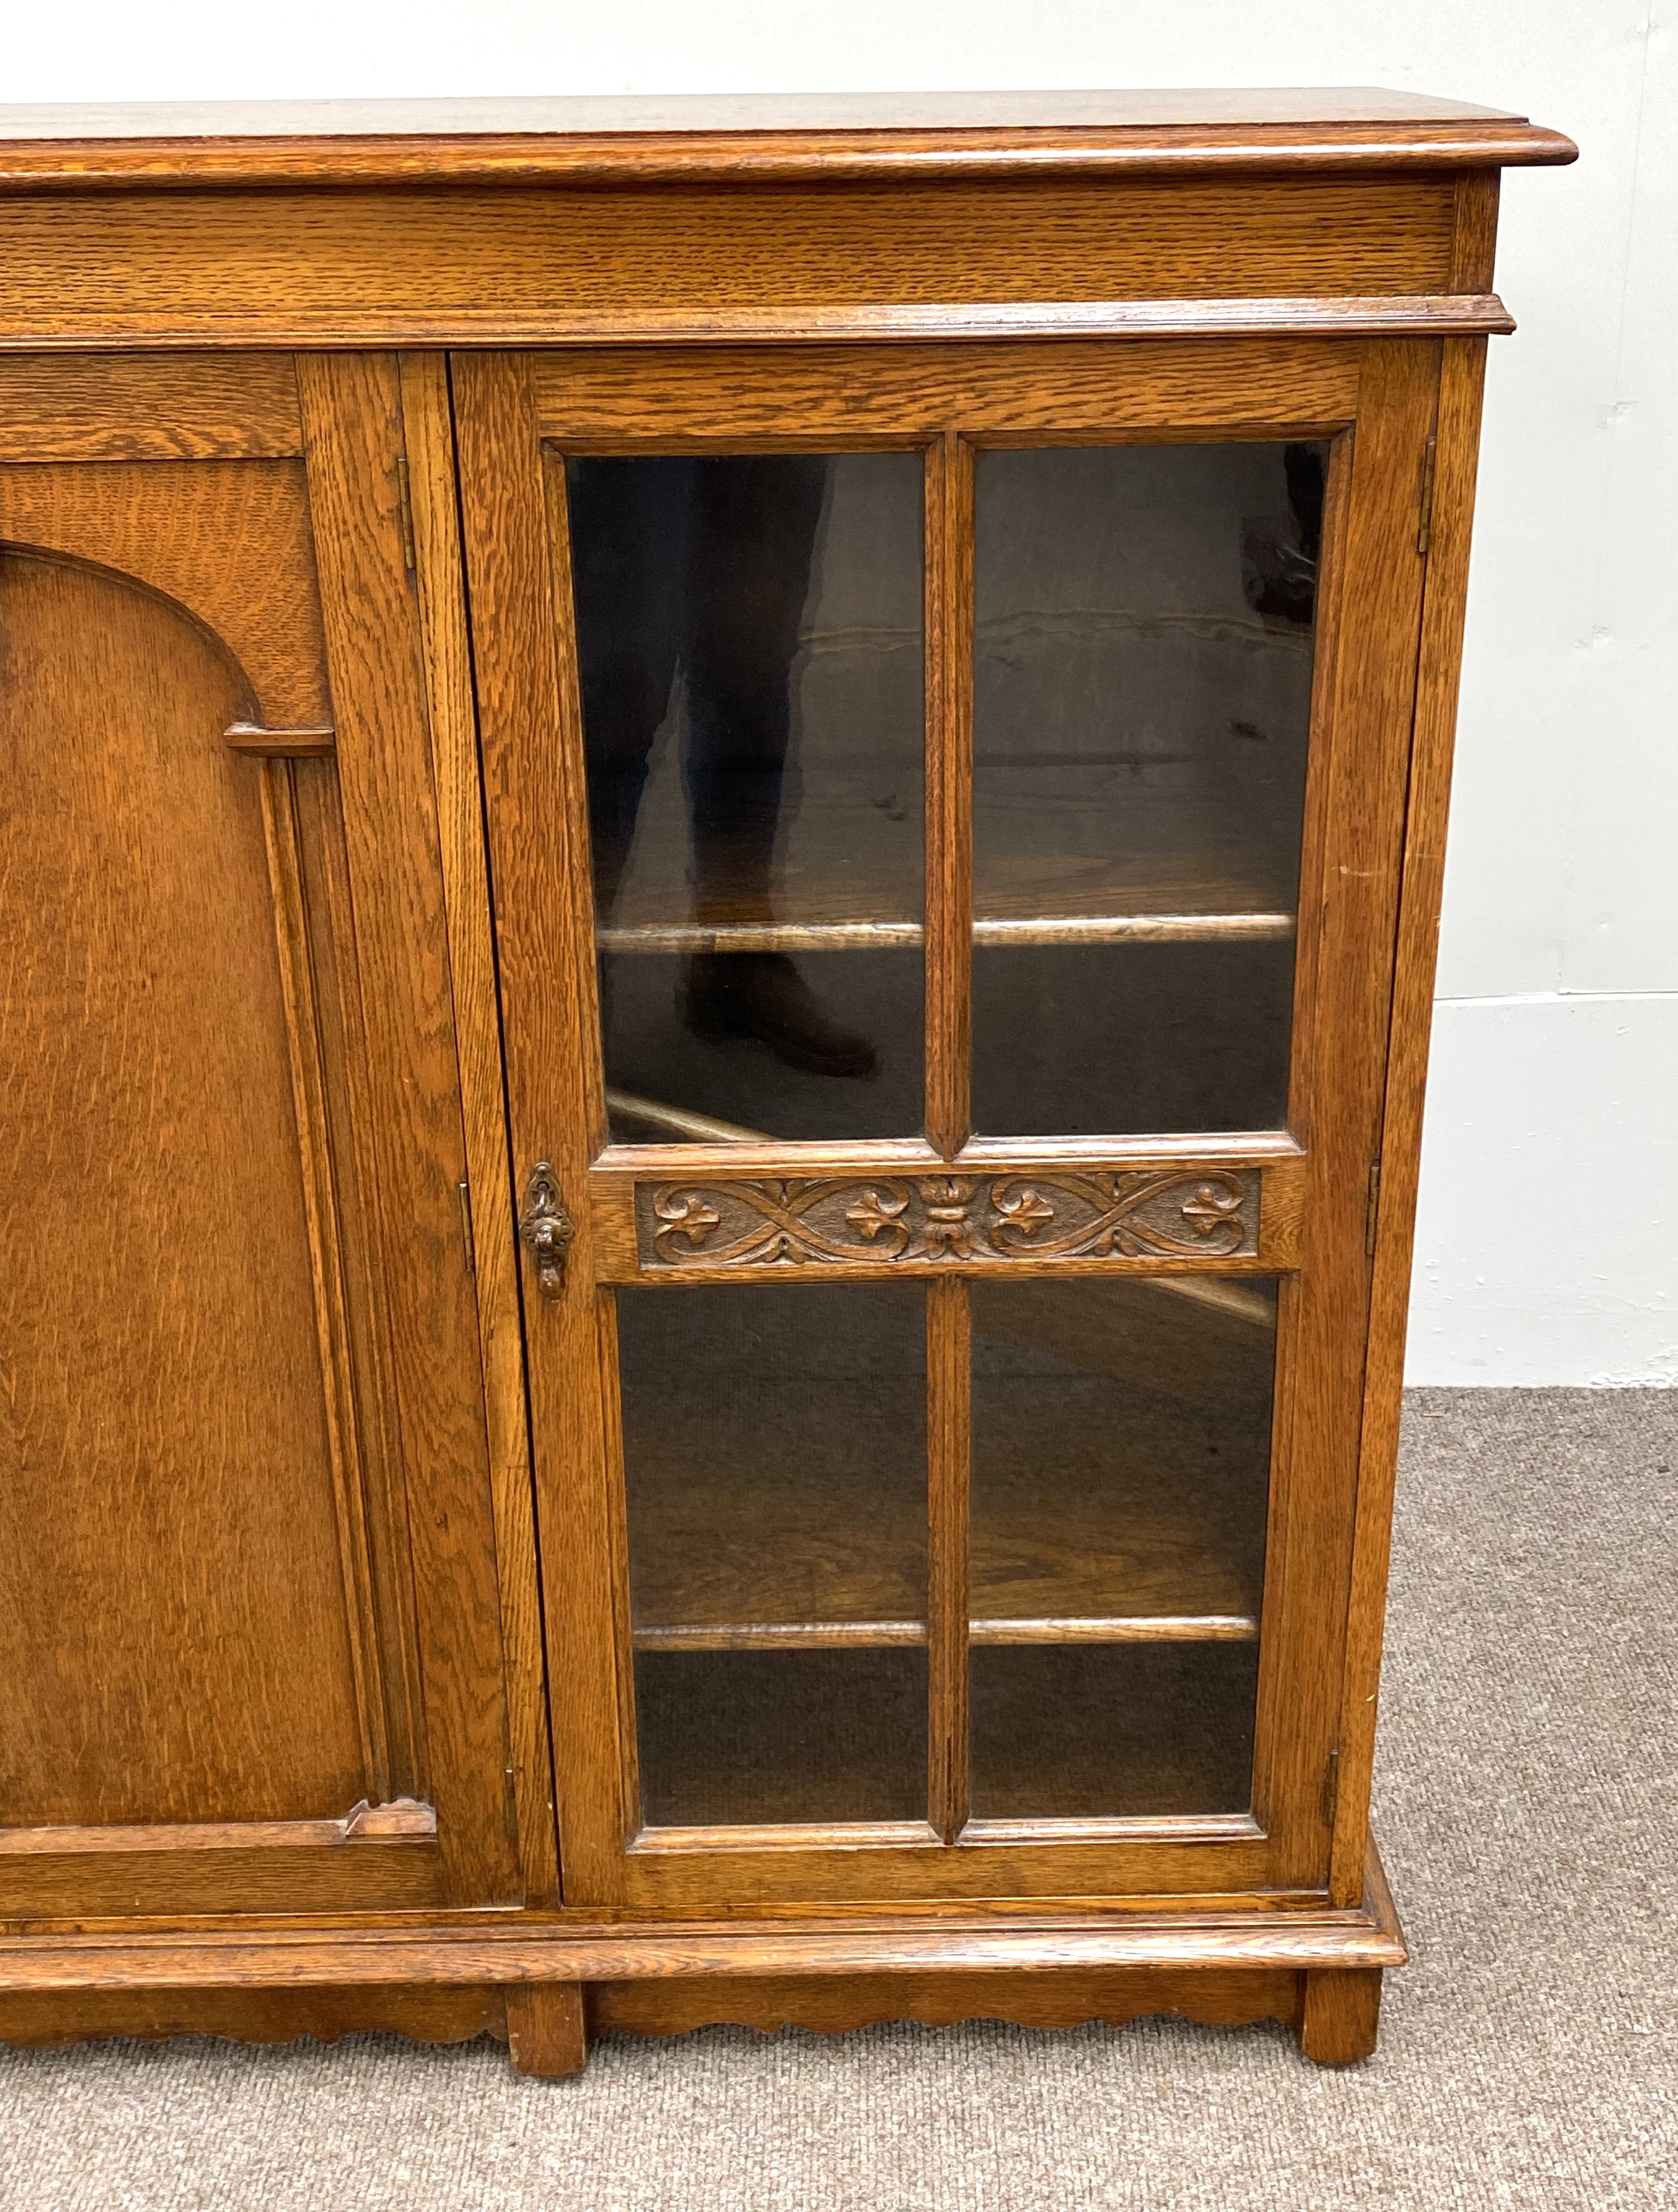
<point x="949" y="789"/>
<point x="528" y="731"/>
<point x="948" y="1031"/>
<point x="949" y="1425"/>
<point x="1462" y="383"/>
<point x="352" y="427"/>
<point x="429" y="441"/>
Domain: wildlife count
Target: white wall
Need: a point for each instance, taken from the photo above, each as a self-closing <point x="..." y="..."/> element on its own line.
<point x="1550" y="1191"/>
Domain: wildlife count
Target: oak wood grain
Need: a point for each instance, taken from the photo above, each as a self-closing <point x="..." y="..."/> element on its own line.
<point x="690" y="1171"/>
<point x="1073" y="391"/>
<point x="887" y="137"/>
<point x="1339" y="2015"/>
<point x="1361" y="734"/>
<point x="528" y="730"/>
<point x="1473" y="251"/>
<point x="34" y="2020"/>
<point x="546" y="2034"/>
<point x="949" y="869"/>
<point x="524" y="1946"/>
<point x="139" y="407"/>
<point x="1461" y="379"/>
<point x="284" y="267"/>
<point x="375" y="1875"/>
<point x="258" y="743"/>
<point x="343" y="1074"/>
<point x="172" y="1526"/>
<point x="922" y="273"/>
<point x="428" y="430"/>
<point x="229" y="541"/>
<point x="837" y="2005"/>
<point x="352" y="421"/>
<point x="320" y="1192"/>
<point x="949" y="1422"/>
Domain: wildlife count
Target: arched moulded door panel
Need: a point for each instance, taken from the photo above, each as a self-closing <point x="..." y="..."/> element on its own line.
<point x="239" y="1674"/>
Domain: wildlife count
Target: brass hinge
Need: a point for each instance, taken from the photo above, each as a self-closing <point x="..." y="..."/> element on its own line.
<point x="465" y="1191"/>
<point x="1331" y="1789"/>
<point x="1372" y="1209"/>
<point x="404" y="515"/>
<point x="1424" y="528"/>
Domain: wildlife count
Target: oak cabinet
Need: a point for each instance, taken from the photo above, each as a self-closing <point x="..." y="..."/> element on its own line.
<point x="722" y="835"/>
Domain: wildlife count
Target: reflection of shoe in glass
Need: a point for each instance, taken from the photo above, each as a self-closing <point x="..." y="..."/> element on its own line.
<point x="761" y="995"/>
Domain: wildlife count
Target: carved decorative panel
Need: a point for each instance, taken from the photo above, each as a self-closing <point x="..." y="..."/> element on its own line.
<point x="936" y="1219"/>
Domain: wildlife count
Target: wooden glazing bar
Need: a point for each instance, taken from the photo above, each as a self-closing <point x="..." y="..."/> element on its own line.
<point x="949" y="1423"/>
<point x="949" y="789"/>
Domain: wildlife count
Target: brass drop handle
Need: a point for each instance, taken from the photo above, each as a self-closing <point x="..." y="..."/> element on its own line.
<point x="547" y="1228"/>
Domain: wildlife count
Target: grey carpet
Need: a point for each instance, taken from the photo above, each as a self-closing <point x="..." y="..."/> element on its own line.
<point x="1528" y="2057"/>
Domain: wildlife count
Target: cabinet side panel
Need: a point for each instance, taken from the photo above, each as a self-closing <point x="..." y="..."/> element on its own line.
<point x="173" y="1641"/>
<point x="1462" y="380"/>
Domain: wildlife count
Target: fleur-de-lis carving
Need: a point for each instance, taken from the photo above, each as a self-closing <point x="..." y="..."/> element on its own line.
<point x="941" y="1220"/>
<point x="1025" y="1209"/>
<point x="1210" y="1204"/>
<point x="684" y="1213"/>
<point x="874" y="1213"/>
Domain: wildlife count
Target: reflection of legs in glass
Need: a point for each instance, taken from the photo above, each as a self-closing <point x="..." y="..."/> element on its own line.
<point x="630" y="526"/>
<point x="755" y="520"/>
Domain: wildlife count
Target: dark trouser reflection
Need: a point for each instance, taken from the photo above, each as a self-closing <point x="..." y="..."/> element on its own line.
<point x="701" y="566"/>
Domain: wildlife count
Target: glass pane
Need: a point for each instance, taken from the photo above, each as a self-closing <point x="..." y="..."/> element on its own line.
<point x="1142" y="685"/>
<point x="732" y="1738"/>
<point x="1121" y="1486"/>
<point x="1112" y="1731"/>
<point x="750" y="640"/>
<point x="775" y="1473"/>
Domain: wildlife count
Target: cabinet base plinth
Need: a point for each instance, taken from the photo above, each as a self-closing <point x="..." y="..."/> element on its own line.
<point x="1339" y="2014"/>
<point x="548" y="2025"/>
<point x="546" y="2033"/>
<point x="547" y="1981"/>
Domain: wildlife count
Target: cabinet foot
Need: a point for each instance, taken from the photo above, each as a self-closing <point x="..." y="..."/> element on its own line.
<point x="1341" y="2015"/>
<point x="545" y="2032"/>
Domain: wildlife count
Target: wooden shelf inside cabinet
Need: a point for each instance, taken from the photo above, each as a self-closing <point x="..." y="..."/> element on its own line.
<point x="1187" y="899"/>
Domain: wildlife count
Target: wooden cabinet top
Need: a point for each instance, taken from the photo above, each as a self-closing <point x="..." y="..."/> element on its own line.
<point x="686" y="138"/>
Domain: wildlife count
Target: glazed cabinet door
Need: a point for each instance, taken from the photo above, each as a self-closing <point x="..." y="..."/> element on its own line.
<point x="252" y="1652"/>
<point x="945" y="808"/>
